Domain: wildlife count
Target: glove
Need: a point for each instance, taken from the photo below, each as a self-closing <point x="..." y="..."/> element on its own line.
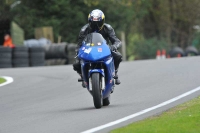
<point x="113" y="48"/>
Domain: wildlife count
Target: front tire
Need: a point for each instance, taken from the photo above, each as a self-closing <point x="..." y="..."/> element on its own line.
<point x="96" y="90"/>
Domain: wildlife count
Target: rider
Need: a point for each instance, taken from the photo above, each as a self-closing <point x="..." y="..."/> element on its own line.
<point x="96" y="23"/>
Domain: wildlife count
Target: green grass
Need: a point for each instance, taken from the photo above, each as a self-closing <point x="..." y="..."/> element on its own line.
<point x="184" y="118"/>
<point x="2" y="80"/>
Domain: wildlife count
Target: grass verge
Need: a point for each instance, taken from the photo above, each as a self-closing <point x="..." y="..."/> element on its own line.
<point x="2" y="80"/>
<point x="184" y="118"/>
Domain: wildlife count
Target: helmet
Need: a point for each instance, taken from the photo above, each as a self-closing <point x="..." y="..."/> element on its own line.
<point x="96" y="20"/>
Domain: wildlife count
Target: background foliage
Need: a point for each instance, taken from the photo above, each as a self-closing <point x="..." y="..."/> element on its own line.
<point x="148" y="24"/>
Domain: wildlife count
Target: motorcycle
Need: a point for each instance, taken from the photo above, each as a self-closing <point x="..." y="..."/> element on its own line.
<point x="98" y="70"/>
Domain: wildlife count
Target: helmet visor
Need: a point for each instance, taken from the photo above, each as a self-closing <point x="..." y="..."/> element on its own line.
<point x="96" y="25"/>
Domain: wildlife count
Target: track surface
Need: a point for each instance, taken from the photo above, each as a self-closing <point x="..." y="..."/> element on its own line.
<point x="50" y="100"/>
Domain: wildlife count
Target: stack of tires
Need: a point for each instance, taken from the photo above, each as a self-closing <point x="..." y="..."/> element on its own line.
<point x="56" y="51"/>
<point x="5" y="57"/>
<point x="71" y="53"/>
<point x="56" y="54"/>
<point x="191" y="51"/>
<point x="20" y="57"/>
<point x="37" y="56"/>
<point x="176" y="51"/>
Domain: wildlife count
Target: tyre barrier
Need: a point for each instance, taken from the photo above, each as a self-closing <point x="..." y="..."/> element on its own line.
<point x="20" y="56"/>
<point x="56" y="51"/>
<point x="36" y="56"/>
<point x="71" y="53"/>
<point x="191" y="51"/>
<point x="50" y="62"/>
<point x="5" y="57"/>
<point x="61" y="51"/>
<point x="175" y="52"/>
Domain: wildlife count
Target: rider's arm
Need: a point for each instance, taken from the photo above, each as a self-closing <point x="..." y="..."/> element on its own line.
<point x="82" y="35"/>
<point x="112" y="37"/>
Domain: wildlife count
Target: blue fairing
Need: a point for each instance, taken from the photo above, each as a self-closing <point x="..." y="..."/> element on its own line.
<point x="95" y="52"/>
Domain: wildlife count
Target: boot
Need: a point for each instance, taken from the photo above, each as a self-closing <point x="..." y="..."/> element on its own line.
<point x="117" y="81"/>
<point x="81" y="79"/>
<point x="83" y="85"/>
<point x="112" y="89"/>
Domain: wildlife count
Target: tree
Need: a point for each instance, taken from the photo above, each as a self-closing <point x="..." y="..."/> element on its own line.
<point x="66" y="17"/>
<point x="169" y="21"/>
<point x="172" y="20"/>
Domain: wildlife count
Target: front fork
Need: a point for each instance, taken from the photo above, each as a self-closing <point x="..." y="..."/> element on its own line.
<point x="101" y="72"/>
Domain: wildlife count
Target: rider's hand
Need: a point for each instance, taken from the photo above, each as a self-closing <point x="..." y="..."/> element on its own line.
<point x="113" y="48"/>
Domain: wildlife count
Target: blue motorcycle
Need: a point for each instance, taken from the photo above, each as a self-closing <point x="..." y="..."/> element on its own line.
<point x="98" y="68"/>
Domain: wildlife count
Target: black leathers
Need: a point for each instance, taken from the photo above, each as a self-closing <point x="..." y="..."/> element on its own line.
<point x="107" y="32"/>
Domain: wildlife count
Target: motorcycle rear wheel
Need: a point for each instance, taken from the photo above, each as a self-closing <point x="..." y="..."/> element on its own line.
<point x="96" y="90"/>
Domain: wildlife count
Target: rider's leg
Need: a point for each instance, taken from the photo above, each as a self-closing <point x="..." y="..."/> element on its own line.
<point x="77" y="68"/>
<point x="117" y="59"/>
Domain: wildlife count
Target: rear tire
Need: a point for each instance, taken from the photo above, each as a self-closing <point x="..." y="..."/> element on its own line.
<point x="96" y="90"/>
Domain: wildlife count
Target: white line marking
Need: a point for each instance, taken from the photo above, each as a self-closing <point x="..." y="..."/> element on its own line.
<point x="8" y="80"/>
<point x="141" y="112"/>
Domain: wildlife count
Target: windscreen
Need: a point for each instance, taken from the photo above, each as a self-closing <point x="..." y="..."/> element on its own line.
<point x="93" y="39"/>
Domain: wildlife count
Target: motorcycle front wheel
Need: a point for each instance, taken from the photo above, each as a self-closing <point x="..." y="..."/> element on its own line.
<point x="96" y="90"/>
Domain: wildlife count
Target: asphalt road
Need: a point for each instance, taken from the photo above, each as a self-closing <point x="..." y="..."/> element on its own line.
<point x="50" y="100"/>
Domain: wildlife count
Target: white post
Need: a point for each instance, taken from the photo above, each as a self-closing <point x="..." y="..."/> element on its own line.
<point x="123" y="46"/>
